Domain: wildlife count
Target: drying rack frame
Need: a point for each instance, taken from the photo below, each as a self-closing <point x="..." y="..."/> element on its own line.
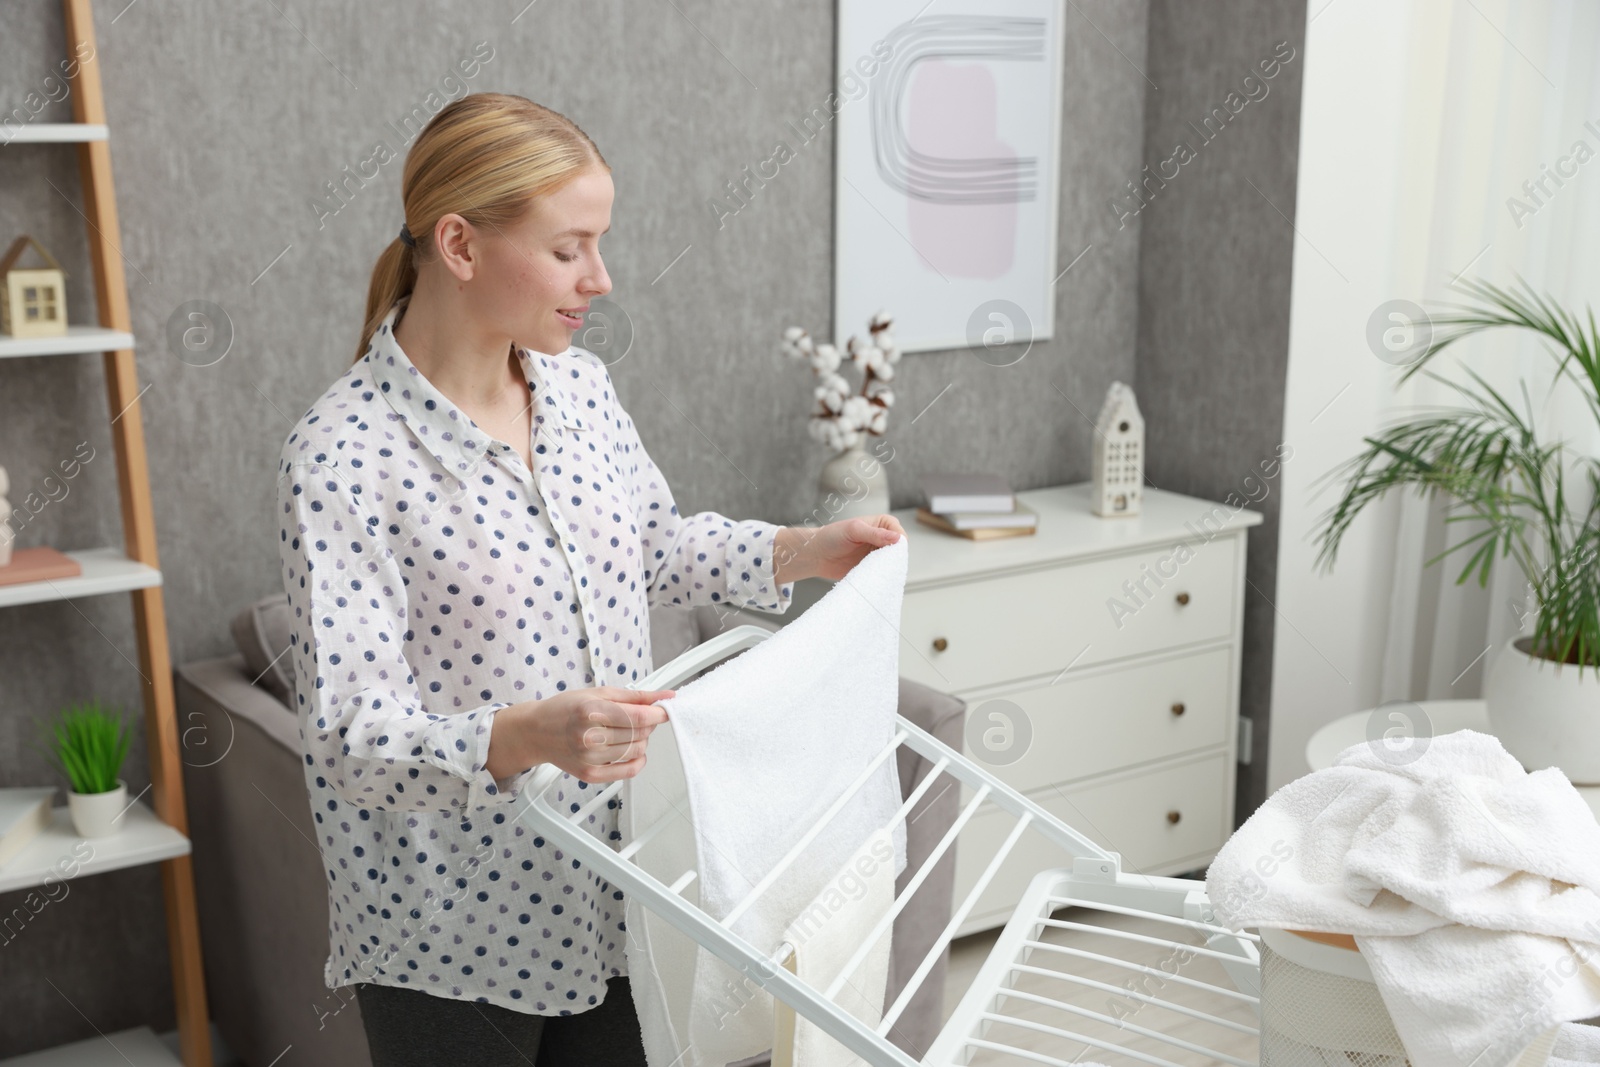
<point x="1095" y="880"/>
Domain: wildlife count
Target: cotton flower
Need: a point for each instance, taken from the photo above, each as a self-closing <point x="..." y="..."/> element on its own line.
<point x="825" y="359"/>
<point x="796" y="343"/>
<point x="857" y="410"/>
<point x="843" y="416"/>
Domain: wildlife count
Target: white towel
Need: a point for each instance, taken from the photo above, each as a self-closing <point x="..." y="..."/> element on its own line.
<point x="1576" y="1044"/>
<point x="829" y="932"/>
<point x="752" y="754"/>
<point x="1472" y="888"/>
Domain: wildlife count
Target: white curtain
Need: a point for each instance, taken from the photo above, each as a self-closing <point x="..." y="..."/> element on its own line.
<point x="1515" y="90"/>
<point x="1421" y="120"/>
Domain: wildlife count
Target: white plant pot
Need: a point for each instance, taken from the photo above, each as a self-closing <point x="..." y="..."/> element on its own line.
<point x="95" y="814"/>
<point x="1546" y="714"/>
<point x="852" y="483"/>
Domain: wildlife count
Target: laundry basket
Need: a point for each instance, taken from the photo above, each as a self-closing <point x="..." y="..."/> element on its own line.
<point x="1320" y="1005"/>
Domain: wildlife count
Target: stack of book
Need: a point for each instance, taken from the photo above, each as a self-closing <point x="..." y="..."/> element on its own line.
<point x="976" y="505"/>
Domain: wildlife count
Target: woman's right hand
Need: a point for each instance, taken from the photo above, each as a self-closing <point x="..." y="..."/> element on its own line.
<point x="596" y="734"/>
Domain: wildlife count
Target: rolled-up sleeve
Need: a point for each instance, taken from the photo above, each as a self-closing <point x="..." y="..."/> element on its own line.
<point x="367" y="727"/>
<point x="704" y="558"/>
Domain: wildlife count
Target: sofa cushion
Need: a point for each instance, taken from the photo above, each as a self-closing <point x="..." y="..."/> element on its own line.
<point x="261" y="630"/>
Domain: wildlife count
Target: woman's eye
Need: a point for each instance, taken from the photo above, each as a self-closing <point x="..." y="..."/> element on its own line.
<point x="565" y="258"/>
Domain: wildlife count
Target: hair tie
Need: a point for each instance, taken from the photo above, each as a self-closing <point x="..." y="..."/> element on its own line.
<point x="405" y="236"/>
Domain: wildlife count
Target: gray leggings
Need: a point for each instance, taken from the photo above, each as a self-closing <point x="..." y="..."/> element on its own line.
<point x="412" y="1028"/>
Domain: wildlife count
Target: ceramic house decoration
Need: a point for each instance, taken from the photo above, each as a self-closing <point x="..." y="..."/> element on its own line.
<point x="35" y="303"/>
<point x="1118" y="454"/>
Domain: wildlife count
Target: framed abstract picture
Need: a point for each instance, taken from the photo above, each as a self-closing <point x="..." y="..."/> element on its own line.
<point x="947" y="162"/>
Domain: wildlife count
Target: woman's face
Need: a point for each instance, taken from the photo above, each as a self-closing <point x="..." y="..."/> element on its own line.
<point x="543" y="271"/>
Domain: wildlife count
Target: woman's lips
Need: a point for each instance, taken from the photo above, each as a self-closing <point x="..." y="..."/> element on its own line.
<point x="573" y="319"/>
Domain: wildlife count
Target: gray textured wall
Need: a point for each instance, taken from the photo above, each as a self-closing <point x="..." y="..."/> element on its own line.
<point x="227" y="119"/>
<point x="1216" y="246"/>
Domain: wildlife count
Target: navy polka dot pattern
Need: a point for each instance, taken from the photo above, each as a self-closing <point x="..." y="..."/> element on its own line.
<point x="433" y="580"/>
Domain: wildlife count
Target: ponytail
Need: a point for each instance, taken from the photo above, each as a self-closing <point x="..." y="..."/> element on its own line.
<point x="394" y="276"/>
<point x="486" y="157"/>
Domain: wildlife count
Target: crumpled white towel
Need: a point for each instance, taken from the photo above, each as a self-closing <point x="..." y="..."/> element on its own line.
<point x="764" y="743"/>
<point x="1575" y="1044"/>
<point x="1471" y="886"/>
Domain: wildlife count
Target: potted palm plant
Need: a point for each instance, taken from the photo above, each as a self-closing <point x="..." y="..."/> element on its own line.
<point x="87" y="742"/>
<point x="1535" y="501"/>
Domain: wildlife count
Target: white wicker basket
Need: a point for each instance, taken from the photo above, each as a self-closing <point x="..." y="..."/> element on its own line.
<point x="1320" y="1007"/>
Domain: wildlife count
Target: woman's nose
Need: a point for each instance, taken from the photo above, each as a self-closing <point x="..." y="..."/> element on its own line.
<point x="601" y="282"/>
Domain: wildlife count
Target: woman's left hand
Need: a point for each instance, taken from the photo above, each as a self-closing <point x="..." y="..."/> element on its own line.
<point x="831" y="551"/>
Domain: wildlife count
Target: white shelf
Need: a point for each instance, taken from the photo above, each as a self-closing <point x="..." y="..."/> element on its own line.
<point x="58" y="853"/>
<point x="53" y="133"/>
<point x="105" y="570"/>
<point x="139" y="1047"/>
<point x="76" y="340"/>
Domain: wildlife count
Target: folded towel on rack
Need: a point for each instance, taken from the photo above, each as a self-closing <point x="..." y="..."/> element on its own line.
<point x="765" y="744"/>
<point x="829" y="933"/>
<point x="1471" y="886"/>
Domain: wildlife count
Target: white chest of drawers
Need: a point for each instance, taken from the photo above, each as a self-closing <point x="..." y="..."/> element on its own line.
<point x="1099" y="659"/>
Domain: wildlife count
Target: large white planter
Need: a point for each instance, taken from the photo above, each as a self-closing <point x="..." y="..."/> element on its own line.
<point x="853" y="483"/>
<point x="1546" y="714"/>
<point x="95" y="814"/>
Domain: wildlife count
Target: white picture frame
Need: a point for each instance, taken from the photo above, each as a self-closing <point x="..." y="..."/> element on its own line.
<point x="947" y="170"/>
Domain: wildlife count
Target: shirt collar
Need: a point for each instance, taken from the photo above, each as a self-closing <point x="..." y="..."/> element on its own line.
<point x="448" y="433"/>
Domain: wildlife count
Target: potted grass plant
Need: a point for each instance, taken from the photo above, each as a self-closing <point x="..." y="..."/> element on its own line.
<point x="1518" y="496"/>
<point x="87" y="743"/>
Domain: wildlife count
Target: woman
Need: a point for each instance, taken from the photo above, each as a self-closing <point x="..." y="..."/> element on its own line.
<point x="472" y="535"/>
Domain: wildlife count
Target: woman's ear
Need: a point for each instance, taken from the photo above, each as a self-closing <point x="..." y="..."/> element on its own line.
<point x="458" y="246"/>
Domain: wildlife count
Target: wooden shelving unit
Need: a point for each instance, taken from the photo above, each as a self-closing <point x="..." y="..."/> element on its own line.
<point x="157" y="825"/>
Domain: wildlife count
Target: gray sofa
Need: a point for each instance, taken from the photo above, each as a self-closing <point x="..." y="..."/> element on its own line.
<point x="262" y="899"/>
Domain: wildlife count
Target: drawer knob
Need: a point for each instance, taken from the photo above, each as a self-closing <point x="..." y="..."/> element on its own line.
<point x="940" y="644"/>
<point x="1178" y="709"/>
<point x="1173" y="817"/>
<point x="1183" y="598"/>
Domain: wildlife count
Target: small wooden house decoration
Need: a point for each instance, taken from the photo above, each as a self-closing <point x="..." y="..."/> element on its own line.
<point x="35" y="303"/>
<point x="1118" y="454"/>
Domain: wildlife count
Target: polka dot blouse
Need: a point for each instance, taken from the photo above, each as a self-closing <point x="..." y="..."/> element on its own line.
<point x="434" y="579"/>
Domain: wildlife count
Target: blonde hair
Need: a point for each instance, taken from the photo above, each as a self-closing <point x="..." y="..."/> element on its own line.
<point x="485" y="157"/>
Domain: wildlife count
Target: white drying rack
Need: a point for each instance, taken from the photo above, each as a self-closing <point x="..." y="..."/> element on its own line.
<point x="1058" y="1026"/>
